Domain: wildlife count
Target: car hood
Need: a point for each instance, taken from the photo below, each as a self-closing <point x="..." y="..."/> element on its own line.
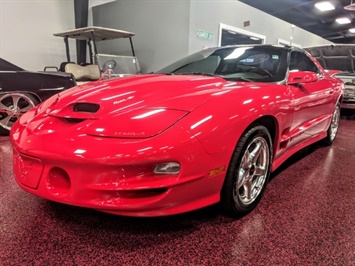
<point x="334" y="56"/>
<point x="112" y="97"/>
<point x="133" y="107"/>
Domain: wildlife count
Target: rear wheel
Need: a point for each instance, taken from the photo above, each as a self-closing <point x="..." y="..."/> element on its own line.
<point x="333" y="127"/>
<point x="12" y="107"/>
<point x="248" y="172"/>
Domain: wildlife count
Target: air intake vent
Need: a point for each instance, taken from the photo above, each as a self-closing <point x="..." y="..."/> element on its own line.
<point x="74" y="120"/>
<point x="86" y="107"/>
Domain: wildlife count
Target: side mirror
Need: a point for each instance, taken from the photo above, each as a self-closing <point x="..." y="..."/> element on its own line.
<point x="298" y="77"/>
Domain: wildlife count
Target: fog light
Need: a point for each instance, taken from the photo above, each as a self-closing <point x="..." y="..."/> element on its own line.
<point x="58" y="182"/>
<point x="170" y="168"/>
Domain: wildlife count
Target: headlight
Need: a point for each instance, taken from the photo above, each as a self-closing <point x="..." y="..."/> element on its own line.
<point x="42" y="107"/>
<point x="142" y="123"/>
<point x="28" y="116"/>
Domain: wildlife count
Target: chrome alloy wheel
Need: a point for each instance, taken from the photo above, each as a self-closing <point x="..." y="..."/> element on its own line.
<point x="334" y="124"/>
<point x="13" y="106"/>
<point x="253" y="171"/>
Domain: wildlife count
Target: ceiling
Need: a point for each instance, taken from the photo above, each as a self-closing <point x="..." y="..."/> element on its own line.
<point x="303" y="14"/>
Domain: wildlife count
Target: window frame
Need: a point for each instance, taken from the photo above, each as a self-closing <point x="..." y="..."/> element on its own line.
<point x="239" y="31"/>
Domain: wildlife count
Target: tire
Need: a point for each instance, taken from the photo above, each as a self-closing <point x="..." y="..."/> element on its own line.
<point x="248" y="172"/>
<point x="12" y="107"/>
<point x="333" y="127"/>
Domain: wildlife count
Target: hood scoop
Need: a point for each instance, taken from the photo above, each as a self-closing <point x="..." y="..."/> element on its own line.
<point x="76" y="112"/>
<point x="86" y="107"/>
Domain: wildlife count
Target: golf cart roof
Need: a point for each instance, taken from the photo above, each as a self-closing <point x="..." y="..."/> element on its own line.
<point x="95" y="33"/>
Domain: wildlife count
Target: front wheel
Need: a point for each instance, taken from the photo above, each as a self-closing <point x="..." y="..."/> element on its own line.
<point x="12" y="107"/>
<point x="248" y="172"/>
<point x="333" y="127"/>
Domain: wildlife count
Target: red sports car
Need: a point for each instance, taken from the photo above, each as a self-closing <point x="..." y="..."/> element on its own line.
<point x="209" y="128"/>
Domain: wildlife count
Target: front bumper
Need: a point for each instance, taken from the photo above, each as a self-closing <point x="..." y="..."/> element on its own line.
<point x="116" y="175"/>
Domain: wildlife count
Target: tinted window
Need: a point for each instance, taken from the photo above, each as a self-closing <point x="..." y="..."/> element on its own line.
<point x="259" y="63"/>
<point x="300" y="61"/>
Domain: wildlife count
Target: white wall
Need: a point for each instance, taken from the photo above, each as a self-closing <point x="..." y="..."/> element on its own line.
<point x="26" y="31"/>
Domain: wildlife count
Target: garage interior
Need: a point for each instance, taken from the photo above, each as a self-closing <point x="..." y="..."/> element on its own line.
<point x="307" y="214"/>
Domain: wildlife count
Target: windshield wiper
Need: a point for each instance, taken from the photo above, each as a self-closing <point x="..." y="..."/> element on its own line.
<point x="161" y="73"/>
<point x="239" y="79"/>
<point x="196" y="73"/>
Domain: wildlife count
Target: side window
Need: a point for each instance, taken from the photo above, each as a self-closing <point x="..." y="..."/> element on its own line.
<point x="300" y="61"/>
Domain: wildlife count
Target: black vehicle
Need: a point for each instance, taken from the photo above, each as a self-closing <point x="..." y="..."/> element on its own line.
<point x="20" y="90"/>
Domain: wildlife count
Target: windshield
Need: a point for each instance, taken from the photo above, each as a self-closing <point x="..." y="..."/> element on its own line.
<point x="259" y="63"/>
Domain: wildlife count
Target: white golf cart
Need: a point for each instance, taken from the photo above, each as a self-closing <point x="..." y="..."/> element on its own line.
<point x="100" y="65"/>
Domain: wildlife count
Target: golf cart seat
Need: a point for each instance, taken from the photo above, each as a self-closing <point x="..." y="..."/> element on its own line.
<point x="83" y="73"/>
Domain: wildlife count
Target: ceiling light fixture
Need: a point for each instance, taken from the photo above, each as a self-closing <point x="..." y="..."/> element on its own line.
<point x="343" y="20"/>
<point x="324" y="6"/>
<point x="350" y="7"/>
<point x="352" y="30"/>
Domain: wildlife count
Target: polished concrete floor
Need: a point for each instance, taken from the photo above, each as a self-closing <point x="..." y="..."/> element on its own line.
<point x="306" y="217"/>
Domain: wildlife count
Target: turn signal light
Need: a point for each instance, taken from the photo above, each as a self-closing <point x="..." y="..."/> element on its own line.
<point x="170" y="168"/>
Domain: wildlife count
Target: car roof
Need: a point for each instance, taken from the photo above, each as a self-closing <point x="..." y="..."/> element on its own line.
<point x="94" y="33"/>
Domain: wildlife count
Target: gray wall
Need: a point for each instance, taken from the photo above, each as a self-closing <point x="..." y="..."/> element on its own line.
<point x="166" y="30"/>
<point x="208" y="14"/>
<point x="26" y="31"/>
<point x="161" y="29"/>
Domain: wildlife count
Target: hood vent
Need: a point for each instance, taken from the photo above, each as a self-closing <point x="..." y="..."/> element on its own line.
<point x="86" y="107"/>
<point x="74" y="120"/>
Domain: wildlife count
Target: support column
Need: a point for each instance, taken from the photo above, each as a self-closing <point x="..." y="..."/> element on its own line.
<point x="81" y="10"/>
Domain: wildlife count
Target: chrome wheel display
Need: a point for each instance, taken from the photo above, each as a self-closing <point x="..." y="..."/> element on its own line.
<point x="248" y="172"/>
<point x="334" y="125"/>
<point x="253" y="171"/>
<point x="13" y="106"/>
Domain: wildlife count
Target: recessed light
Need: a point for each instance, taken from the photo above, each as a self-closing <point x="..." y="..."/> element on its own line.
<point x="324" y="6"/>
<point x="343" y="20"/>
<point x="352" y="30"/>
